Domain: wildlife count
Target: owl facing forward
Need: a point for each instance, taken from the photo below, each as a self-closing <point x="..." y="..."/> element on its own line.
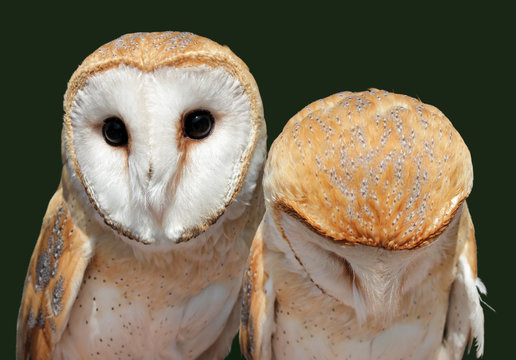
<point x="367" y="248"/>
<point x="143" y="245"/>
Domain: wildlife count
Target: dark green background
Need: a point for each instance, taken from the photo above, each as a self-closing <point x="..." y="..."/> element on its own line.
<point x="458" y="58"/>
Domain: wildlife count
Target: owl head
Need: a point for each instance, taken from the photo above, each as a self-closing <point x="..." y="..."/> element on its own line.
<point x="370" y="168"/>
<point x="367" y="190"/>
<point x="163" y="131"/>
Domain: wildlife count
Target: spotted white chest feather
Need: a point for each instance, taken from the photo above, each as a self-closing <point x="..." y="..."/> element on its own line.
<point x="128" y="307"/>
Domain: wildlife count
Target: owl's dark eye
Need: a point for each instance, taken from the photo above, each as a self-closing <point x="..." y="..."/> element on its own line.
<point x="114" y="132"/>
<point x="198" y="124"/>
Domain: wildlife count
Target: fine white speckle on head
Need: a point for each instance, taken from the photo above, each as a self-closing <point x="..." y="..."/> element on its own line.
<point x="385" y="164"/>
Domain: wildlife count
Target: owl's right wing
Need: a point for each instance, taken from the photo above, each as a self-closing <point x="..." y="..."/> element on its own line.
<point x="257" y="317"/>
<point x="465" y="319"/>
<point x="53" y="280"/>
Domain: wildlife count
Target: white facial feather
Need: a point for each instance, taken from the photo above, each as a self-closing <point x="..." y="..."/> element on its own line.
<point x="159" y="189"/>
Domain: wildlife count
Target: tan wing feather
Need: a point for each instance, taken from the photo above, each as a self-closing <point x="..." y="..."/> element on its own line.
<point x="53" y="280"/>
<point x="465" y="319"/>
<point x="467" y="239"/>
<point x="257" y="305"/>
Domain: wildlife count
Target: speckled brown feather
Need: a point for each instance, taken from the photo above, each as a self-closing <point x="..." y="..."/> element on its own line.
<point x="381" y="169"/>
<point x="148" y="52"/>
<point x="53" y="280"/>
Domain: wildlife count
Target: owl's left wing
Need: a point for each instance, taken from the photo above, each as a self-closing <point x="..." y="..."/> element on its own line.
<point x="465" y="319"/>
<point x="52" y="283"/>
<point x="257" y="317"/>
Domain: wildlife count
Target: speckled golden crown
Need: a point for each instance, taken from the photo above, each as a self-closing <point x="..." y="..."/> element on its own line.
<point x="149" y="51"/>
<point x="371" y="168"/>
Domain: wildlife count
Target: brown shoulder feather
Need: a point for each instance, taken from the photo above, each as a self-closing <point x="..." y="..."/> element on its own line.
<point x="53" y="280"/>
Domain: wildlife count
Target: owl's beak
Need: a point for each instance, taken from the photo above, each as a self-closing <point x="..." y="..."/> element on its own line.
<point x="153" y="172"/>
<point x="149" y="173"/>
<point x="158" y="190"/>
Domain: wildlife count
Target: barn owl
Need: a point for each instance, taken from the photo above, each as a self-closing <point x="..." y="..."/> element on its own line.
<point x="143" y="246"/>
<point x="366" y="249"/>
